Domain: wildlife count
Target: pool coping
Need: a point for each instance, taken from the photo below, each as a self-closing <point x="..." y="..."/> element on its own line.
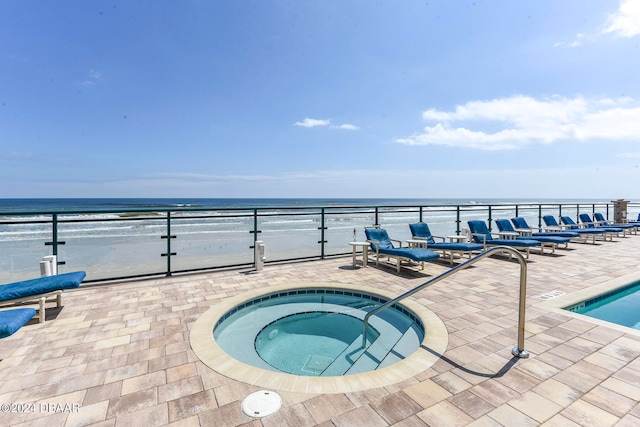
<point x="204" y="346"/>
<point x="559" y="303"/>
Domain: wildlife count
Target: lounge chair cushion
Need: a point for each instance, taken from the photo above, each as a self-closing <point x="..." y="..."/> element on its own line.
<point x="589" y="223"/>
<point x="380" y="236"/>
<point x="455" y="246"/>
<point x="550" y="221"/>
<point x="421" y="230"/>
<point x="385" y="246"/>
<point x="574" y="227"/>
<point x="520" y="222"/>
<point x="41" y="285"/>
<point x="598" y="217"/>
<point x="505" y="225"/>
<point x="414" y="254"/>
<point x="14" y="319"/>
<point x="479" y="227"/>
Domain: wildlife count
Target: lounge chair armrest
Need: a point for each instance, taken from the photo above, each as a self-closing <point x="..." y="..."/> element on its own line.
<point x="374" y="245"/>
<point x="439" y="237"/>
<point x="398" y="241"/>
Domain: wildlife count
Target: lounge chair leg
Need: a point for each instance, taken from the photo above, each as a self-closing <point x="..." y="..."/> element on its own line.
<point x="41" y="314"/>
<point x="59" y="299"/>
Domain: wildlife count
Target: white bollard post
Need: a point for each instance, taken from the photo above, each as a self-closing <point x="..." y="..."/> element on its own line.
<point x="52" y="268"/>
<point x="259" y="255"/>
<point x="45" y="268"/>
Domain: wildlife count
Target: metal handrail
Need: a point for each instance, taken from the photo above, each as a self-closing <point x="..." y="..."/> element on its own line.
<point x="517" y="351"/>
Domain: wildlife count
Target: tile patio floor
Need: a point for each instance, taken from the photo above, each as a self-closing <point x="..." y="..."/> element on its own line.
<point x="118" y="354"/>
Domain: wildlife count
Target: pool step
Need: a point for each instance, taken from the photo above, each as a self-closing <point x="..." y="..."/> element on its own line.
<point x="404" y="347"/>
<point x="376" y="352"/>
<point x="346" y="359"/>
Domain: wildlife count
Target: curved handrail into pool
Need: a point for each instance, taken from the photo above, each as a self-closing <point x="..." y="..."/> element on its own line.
<point x="518" y="351"/>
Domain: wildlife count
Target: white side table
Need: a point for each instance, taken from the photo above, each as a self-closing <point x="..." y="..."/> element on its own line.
<point x="462" y="238"/>
<point x="509" y="235"/>
<point x="417" y="243"/>
<point x="365" y="252"/>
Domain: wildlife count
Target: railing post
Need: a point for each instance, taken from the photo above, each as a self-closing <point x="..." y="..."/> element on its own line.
<point x="54" y="239"/>
<point x="539" y="217"/>
<point x="377" y="217"/>
<point x="421" y="214"/>
<point x="255" y="230"/>
<point x="457" y="220"/>
<point x="322" y="227"/>
<point x="168" y="236"/>
<point x="490" y="217"/>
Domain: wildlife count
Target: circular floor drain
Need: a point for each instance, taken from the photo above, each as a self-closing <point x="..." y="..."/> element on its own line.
<point x="261" y="403"/>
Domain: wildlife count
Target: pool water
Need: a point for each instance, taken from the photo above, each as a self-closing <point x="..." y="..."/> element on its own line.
<point x="318" y="332"/>
<point x="621" y="306"/>
<point x="309" y="343"/>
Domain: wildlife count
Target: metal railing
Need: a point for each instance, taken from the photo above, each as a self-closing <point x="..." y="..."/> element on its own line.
<point x="127" y="243"/>
<point x="517" y="351"/>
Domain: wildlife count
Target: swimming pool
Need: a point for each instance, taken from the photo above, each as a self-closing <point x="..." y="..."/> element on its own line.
<point x="207" y="349"/>
<point x="620" y="306"/>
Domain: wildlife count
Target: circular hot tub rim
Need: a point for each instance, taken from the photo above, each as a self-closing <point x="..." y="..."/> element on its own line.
<point x="323" y="290"/>
<point x="207" y="350"/>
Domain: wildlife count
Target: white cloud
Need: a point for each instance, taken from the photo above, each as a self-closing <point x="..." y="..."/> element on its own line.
<point x="94" y="77"/>
<point x="575" y="43"/>
<point x="310" y="123"/>
<point x="346" y="126"/>
<point x="633" y="155"/>
<point x="626" y="21"/>
<point x="522" y="120"/>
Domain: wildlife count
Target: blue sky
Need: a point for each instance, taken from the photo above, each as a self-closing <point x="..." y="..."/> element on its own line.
<point x="331" y="98"/>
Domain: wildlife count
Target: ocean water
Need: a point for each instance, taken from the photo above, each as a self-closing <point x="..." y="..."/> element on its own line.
<point x="111" y="238"/>
<point x="110" y="204"/>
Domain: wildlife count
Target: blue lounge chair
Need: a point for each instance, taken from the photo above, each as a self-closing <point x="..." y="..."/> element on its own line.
<point x="481" y="234"/>
<point x="420" y="231"/>
<point x="610" y="231"/>
<point x="593" y="232"/>
<point x="14" y="319"/>
<point x="599" y="219"/>
<point x="381" y="244"/>
<point x="523" y="227"/>
<point x="40" y="289"/>
<point x="585" y="234"/>
<point x="552" y="242"/>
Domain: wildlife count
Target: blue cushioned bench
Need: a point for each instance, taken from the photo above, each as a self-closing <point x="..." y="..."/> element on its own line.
<point x="40" y="289"/>
<point x="14" y="319"/>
